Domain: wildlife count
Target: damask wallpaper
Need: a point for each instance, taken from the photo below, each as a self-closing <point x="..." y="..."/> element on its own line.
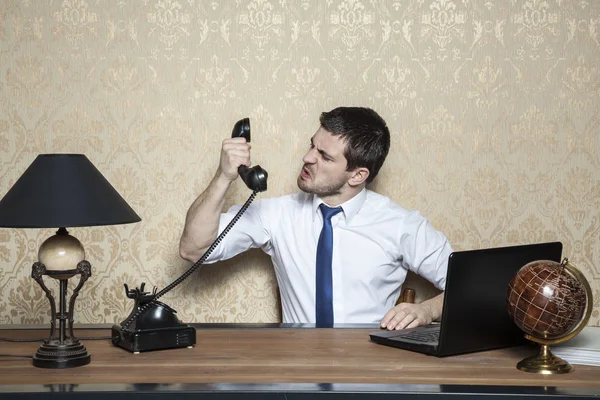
<point x="493" y="108"/>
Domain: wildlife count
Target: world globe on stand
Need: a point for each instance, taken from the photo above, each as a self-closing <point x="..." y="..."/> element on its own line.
<point x="550" y="302"/>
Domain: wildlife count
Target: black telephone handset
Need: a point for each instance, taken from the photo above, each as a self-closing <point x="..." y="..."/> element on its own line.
<point x="153" y="325"/>
<point x="256" y="177"/>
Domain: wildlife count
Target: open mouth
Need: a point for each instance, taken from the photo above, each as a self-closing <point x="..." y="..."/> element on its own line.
<point x="305" y="173"/>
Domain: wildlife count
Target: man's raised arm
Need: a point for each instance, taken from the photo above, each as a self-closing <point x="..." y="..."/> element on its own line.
<point x="202" y="219"/>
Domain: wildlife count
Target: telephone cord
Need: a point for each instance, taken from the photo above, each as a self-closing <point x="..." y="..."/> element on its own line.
<point x="194" y="267"/>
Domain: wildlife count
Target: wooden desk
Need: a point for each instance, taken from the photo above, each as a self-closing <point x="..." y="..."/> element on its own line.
<point x="273" y="361"/>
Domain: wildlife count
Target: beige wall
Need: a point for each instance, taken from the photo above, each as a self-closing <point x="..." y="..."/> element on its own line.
<point x="493" y="108"/>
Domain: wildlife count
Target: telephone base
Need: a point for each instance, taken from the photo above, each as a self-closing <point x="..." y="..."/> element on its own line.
<point x="142" y="340"/>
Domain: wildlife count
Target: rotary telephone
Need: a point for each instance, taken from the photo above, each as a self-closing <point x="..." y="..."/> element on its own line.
<point x="153" y="325"/>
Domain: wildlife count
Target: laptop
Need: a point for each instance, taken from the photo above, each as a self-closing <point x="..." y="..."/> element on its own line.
<point x="474" y="317"/>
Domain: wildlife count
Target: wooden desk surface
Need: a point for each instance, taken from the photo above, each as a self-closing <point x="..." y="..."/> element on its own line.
<point x="280" y="356"/>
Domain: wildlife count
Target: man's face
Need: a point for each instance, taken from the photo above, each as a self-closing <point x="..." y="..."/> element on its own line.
<point x="324" y="171"/>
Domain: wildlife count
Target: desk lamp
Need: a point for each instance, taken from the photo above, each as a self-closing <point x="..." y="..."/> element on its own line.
<point x="60" y="191"/>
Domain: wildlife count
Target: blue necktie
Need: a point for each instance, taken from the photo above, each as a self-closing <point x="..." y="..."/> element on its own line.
<point x="324" y="290"/>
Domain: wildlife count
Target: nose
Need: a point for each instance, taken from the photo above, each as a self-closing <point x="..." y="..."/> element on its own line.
<point x="310" y="157"/>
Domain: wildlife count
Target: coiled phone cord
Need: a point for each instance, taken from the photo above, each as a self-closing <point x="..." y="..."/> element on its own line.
<point x="194" y="267"/>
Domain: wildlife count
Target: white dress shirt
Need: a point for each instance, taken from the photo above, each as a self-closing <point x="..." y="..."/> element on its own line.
<point x="375" y="242"/>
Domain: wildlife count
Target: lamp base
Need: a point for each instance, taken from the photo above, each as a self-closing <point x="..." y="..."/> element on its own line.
<point x="69" y="354"/>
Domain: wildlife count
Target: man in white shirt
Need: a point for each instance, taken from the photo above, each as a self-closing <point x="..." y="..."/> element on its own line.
<point x="372" y="242"/>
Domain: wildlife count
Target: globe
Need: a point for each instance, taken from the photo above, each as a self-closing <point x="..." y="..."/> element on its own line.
<point x="550" y="302"/>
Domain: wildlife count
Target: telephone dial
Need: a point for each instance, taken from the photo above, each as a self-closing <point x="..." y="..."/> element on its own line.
<point x="153" y="325"/>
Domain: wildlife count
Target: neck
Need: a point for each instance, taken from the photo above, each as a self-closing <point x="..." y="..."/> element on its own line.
<point x="342" y="197"/>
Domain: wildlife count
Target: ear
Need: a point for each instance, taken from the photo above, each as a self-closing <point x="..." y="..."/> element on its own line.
<point x="358" y="176"/>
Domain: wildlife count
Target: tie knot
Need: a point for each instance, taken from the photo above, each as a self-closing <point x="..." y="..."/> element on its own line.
<point x="329" y="212"/>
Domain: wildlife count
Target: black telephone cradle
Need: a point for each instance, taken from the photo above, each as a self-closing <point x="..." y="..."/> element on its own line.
<point x="156" y="328"/>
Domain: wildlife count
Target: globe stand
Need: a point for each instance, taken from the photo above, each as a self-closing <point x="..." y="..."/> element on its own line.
<point x="545" y="362"/>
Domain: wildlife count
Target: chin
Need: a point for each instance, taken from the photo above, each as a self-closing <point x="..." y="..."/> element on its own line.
<point x="306" y="186"/>
<point x="302" y="185"/>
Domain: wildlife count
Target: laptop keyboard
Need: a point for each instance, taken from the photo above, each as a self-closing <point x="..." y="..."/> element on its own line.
<point x="425" y="337"/>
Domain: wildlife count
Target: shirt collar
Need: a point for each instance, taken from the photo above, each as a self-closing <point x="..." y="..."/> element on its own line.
<point x="350" y="208"/>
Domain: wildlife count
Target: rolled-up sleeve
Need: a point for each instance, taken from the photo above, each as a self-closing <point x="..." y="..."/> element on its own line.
<point x="425" y="250"/>
<point x="248" y="232"/>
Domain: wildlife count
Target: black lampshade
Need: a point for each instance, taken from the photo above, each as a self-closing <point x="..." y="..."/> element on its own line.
<point x="63" y="190"/>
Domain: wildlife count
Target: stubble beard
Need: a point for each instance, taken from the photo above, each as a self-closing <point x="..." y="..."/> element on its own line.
<point x="323" y="190"/>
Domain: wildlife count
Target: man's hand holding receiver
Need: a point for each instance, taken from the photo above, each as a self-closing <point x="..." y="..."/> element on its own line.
<point x="234" y="152"/>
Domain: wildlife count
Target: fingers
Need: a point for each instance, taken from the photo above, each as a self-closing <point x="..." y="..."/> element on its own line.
<point x="402" y="320"/>
<point x="237" y="146"/>
<point x="234" y="152"/>
<point x="397" y="318"/>
<point x="405" y="316"/>
<point x="387" y="318"/>
<point x="416" y="322"/>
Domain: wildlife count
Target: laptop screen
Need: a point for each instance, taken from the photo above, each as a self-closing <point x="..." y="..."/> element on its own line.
<point x="475" y="317"/>
<point x="475" y="314"/>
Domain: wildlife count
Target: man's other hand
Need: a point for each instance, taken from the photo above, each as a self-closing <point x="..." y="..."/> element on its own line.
<point x="407" y="315"/>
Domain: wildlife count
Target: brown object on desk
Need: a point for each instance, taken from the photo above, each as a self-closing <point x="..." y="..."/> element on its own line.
<point x="280" y="356"/>
<point x="406" y="296"/>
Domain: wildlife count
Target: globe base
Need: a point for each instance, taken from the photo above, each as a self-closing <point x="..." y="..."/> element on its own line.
<point x="545" y="363"/>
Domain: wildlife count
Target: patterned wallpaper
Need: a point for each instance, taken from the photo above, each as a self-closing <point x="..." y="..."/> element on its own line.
<point x="493" y="108"/>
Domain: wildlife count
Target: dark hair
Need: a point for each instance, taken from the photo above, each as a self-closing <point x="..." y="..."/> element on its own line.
<point x="365" y="133"/>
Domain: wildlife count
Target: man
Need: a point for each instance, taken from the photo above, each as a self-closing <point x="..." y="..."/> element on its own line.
<point x="374" y="241"/>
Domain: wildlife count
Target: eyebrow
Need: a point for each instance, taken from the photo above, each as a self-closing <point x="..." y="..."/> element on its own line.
<point x="322" y="152"/>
